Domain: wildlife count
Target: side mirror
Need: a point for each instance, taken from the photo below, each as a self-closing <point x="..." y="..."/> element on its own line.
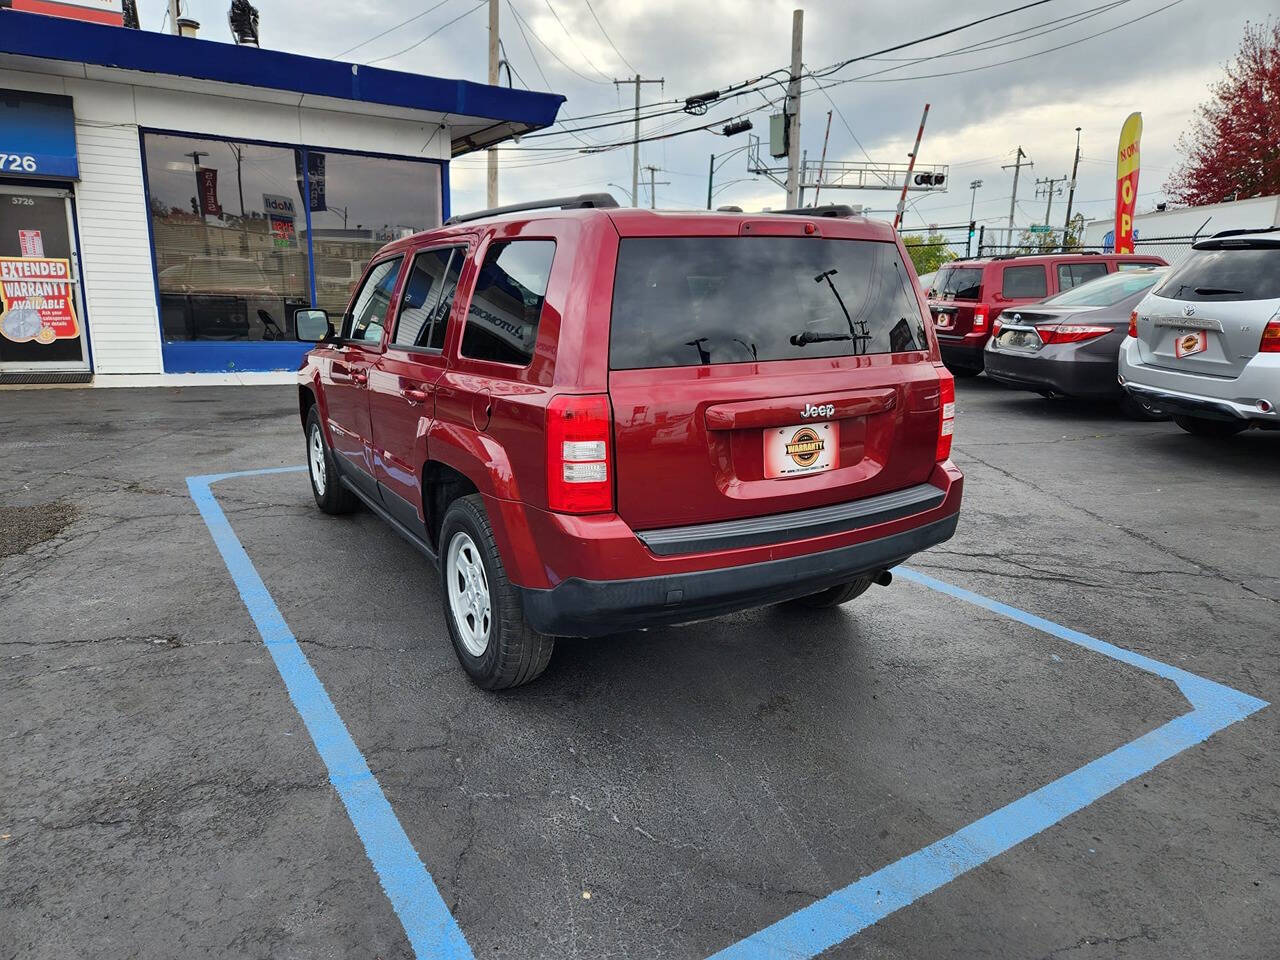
<point x="312" y="326"/>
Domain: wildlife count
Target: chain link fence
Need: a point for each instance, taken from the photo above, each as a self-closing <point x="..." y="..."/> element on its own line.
<point x="931" y="251"/>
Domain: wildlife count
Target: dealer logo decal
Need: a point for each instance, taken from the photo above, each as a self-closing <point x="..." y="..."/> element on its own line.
<point x="805" y="446"/>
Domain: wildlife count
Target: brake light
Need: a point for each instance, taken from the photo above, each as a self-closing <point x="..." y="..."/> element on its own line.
<point x="995" y="327"/>
<point x="1133" y="324"/>
<point x="579" y="454"/>
<point x="947" y="418"/>
<point x="979" y="317"/>
<point x="1270" y="337"/>
<point x="1070" y="332"/>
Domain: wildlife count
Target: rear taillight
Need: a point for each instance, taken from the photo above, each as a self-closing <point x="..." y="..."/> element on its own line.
<point x="979" y="317"/>
<point x="1270" y="337"/>
<point x="947" y="419"/>
<point x="579" y="454"/>
<point x="1070" y="332"/>
<point x="1133" y="324"/>
<point x="995" y="327"/>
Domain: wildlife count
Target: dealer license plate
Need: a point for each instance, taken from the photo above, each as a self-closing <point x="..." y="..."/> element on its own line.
<point x="1187" y="342"/>
<point x="799" y="450"/>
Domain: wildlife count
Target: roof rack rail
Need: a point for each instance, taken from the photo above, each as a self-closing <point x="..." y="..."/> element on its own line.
<point x="1036" y="253"/>
<point x="826" y="210"/>
<point x="1237" y="233"/>
<point x="583" y="201"/>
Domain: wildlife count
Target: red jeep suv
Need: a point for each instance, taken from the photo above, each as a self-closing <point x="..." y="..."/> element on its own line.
<point x="595" y="419"/>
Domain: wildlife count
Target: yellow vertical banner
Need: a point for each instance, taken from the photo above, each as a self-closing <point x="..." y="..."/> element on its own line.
<point x="1128" y="161"/>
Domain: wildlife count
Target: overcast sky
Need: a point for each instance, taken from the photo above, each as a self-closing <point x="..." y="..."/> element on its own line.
<point x="1160" y="66"/>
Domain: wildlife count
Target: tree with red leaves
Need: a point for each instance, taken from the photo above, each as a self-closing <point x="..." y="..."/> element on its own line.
<point x="1232" y="150"/>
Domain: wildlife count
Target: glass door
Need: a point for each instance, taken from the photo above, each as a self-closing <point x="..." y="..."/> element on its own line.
<point x="41" y="309"/>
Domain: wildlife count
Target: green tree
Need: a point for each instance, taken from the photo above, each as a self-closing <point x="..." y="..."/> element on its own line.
<point x="927" y="253"/>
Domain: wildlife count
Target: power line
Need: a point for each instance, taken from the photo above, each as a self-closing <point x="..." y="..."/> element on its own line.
<point x="559" y="59"/>
<point x="414" y="46"/>
<point x="609" y="38"/>
<point x="573" y="41"/>
<point x="402" y="23"/>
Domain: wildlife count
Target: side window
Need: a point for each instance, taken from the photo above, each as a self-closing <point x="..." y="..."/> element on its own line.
<point x="1073" y="274"/>
<point x="1136" y="265"/>
<point x="428" y="294"/>
<point x="369" y="312"/>
<point x="1024" y="282"/>
<point x="511" y="286"/>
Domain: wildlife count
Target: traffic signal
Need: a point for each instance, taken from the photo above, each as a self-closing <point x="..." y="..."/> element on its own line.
<point x="930" y="179"/>
<point x="973" y="228"/>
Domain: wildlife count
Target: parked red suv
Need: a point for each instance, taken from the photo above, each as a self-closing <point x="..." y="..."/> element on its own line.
<point x="596" y="419"/>
<point x="968" y="295"/>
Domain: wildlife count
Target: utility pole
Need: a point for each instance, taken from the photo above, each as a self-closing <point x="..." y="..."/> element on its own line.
<point x="1013" y="200"/>
<point x="1050" y="186"/>
<point x="973" y="196"/>
<point x="793" y="110"/>
<point x="906" y="181"/>
<point x="1071" y="194"/>
<point x="635" y="151"/>
<point x="822" y="162"/>
<point x="491" y="187"/>
<point x="654" y="184"/>
<point x="175" y="14"/>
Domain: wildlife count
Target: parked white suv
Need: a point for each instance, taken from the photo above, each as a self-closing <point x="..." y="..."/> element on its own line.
<point x="1205" y="344"/>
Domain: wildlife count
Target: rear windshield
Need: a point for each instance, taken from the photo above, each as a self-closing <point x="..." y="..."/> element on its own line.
<point x="1108" y="290"/>
<point x="1239" y="273"/>
<point x="958" y="283"/>
<point x="692" y="301"/>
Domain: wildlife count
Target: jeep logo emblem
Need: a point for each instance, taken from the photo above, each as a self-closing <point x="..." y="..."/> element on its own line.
<point x="821" y="410"/>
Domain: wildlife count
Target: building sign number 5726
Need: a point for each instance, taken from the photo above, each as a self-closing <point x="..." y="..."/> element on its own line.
<point x="18" y="162"/>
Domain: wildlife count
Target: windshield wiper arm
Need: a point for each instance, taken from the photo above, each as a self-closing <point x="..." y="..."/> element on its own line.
<point x="1216" y="291"/>
<point x="817" y="336"/>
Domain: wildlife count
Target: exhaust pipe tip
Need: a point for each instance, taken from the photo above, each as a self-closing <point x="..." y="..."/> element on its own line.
<point x="883" y="578"/>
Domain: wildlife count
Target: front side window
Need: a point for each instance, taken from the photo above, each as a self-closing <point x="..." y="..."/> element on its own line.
<point x="229" y="224"/>
<point x="428" y="296"/>
<point x="369" y="312"/>
<point x="506" y="306"/>
<point x="691" y="301"/>
<point x="1022" y="282"/>
<point x="1073" y="274"/>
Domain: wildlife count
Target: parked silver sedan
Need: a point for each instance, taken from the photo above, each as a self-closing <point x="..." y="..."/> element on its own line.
<point x="1205" y="345"/>
<point x="1067" y="345"/>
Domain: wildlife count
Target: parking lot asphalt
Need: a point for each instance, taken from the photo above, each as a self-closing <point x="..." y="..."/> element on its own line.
<point x="656" y="794"/>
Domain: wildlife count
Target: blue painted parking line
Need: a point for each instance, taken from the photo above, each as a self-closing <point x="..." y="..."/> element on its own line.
<point x="434" y="933"/>
<point x="430" y="927"/>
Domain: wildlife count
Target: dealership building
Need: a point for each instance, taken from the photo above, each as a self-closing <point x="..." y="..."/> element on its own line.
<point x="168" y="204"/>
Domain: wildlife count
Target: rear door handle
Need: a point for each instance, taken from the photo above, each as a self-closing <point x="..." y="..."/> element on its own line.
<point x="359" y="378"/>
<point x="414" y="396"/>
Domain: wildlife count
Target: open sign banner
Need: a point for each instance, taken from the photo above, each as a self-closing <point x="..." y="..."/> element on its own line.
<point x="1128" y="159"/>
<point x="37" y="300"/>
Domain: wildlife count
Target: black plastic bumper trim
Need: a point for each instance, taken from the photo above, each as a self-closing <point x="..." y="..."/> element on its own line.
<point x="593" y="608"/>
<point x="795" y="525"/>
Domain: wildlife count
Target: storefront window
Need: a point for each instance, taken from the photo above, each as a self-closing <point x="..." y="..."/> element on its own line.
<point x="229" y="227"/>
<point x="357" y="205"/>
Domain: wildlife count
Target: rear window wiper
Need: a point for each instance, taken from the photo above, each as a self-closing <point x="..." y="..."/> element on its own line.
<point x="819" y="336"/>
<point x="1217" y="292"/>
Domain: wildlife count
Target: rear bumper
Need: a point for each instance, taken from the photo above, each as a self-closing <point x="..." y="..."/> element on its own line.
<point x="1073" y="374"/>
<point x="596" y="576"/>
<point x="962" y="350"/>
<point x="1219" y="398"/>
<point x="588" y="608"/>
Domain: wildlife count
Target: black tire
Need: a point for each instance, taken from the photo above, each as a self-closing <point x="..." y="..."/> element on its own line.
<point x="834" y="596"/>
<point x="1202" y="427"/>
<point x="963" y="373"/>
<point x="331" y="496"/>
<point x="1135" y="409"/>
<point x="514" y="653"/>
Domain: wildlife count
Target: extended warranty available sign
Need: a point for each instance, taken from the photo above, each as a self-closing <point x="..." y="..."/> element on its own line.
<point x="36" y="300"/>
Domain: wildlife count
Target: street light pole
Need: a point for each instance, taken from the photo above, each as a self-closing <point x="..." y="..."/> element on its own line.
<point x="973" y="196"/>
<point x="1071" y="194"/>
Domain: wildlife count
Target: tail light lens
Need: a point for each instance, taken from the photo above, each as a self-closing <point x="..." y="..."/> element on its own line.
<point x="1070" y="332"/>
<point x="979" y="317"/>
<point x="1270" y="337"/>
<point x="1133" y="324"/>
<point x="579" y="454"/>
<point x="947" y="417"/>
<point x="995" y="327"/>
